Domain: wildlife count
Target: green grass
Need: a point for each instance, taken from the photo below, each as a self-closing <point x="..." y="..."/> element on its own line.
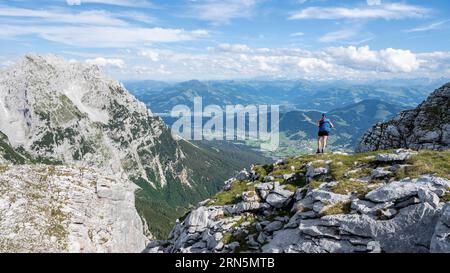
<point x="233" y="195"/>
<point x="347" y="186"/>
<point x="339" y="208"/>
<point x="315" y="184"/>
<point x="427" y="162"/>
<point x="446" y="198"/>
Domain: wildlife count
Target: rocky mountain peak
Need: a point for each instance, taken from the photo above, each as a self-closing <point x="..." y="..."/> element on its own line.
<point x="70" y="113"/>
<point x="426" y="127"/>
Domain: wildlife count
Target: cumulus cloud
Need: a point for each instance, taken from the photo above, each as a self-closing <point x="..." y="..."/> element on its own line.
<point x="227" y="61"/>
<point x="235" y="48"/>
<point x="100" y="61"/>
<point x="362" y="58"/>
<point x="394" y="11"/>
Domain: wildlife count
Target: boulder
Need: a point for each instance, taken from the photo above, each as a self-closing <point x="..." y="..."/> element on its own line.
<point x="278" y="198"/>
<point x="427" y="196"/>
<point x="380" y="173"/>
<point x="274" y="226"/>
<point x="440" y="242"/>
<point x="401" y="189"/>
<point x="243" y="175"/>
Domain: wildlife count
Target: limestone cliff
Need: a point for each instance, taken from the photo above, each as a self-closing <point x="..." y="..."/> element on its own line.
<point x="426" y="127"/>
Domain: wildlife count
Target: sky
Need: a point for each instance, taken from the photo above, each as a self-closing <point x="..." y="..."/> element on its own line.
<point x="235" y="39"/>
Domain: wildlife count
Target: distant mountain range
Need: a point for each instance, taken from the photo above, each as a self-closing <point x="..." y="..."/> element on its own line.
<point x="298" y="128"/>
<point x="351" y="121"/>
<point x="290" y="95"/>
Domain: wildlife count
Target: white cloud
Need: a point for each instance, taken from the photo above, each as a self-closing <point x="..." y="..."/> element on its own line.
<point x="92" y="17"/>
<point x="103" y="36"/>
<point x="235" y="48"/>
<point x="242" y="61"/>
<point x="386" y="60"/>
<point x="297" y="34"/>
<point x="397" y="60"/>
<point x="222" y="11"/>
<point x="373" y="2"/>
<point x="428" y="27"/>
<point x="150" y="54"/>
<point x="100" y="61"/>
<point x="125" y="3"/>
<point x="314" y="65"/>
<point x="392" y="11"/>
<point x="338" y="35"/>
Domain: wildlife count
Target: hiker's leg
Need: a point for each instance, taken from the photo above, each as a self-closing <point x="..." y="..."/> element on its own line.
<point x="319" y="143"/>
<point x="324" y="145"/>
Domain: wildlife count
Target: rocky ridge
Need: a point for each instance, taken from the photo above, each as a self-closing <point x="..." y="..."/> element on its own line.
<point x="426" y="127"/>
<point x="393" y="201"/>
<point x="67" y="209"/>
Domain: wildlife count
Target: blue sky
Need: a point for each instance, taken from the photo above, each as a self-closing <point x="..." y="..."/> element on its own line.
<point x="228" y="39"/>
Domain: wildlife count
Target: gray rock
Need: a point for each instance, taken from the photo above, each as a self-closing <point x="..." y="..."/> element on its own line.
<point x="440" y="242"/>
<point x="388" y="213"/>
<point x="243" y="175"/>
<point x="369" y="208"/>
<point x="409" y="231"/>
<point x="278" y="198"/>
<point x="232" y="246"/>
<point x="426" y="127"/>
<point x="199" y="219"/>
<point x="250" y="196"/>
<point x="219" y="246"/>
<point x="262" y="238"/>
<point x="374" y="247"/>
<point x="289" y="176"/>
<point x="429" y="197"/>
<point x="380" y="173"/>
<point x="397" y="157"/>
<point x="327" y="196"/>
<point x="399" y="190"/>
<point x="406" y="203"/>
<point x="274" y="226"/>
<point x="269" y="178"/>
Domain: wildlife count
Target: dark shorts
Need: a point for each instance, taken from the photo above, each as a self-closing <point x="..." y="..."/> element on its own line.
<point x="323" y="133"/>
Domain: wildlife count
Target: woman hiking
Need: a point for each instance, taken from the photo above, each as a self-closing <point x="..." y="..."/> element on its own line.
<point x="325" y="125"/>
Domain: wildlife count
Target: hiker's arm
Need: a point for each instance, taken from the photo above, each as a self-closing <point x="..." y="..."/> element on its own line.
<point x="332" y="125"/>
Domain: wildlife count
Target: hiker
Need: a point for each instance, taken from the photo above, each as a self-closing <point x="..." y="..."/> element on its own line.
<point x="325" y="125"/>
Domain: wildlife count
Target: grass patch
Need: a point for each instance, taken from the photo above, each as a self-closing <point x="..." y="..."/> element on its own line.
<point x="339" y="208"/>
<point x="315" y="184"/>
<point x="3" y="168"/>
<point x="446" y="198"/>
<point x="233" y="195"/>
<point x="427" y="162"/>
<point x="347" y="186"/>
<point x="263" y="170"/>
<point x="227" y="238"/>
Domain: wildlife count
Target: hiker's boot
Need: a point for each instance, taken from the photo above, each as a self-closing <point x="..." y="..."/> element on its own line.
<point x="322" y="151"/>
<point x="318" y="151"/>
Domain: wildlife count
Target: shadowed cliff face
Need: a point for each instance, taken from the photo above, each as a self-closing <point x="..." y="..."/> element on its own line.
<point x="426" y="127"/>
